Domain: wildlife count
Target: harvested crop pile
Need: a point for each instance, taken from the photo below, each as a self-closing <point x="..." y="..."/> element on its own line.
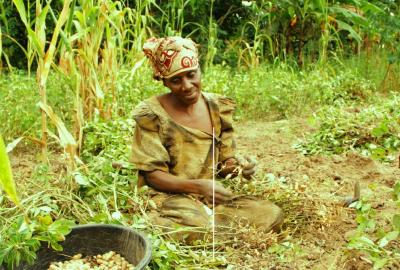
<point x="108" y="261"/>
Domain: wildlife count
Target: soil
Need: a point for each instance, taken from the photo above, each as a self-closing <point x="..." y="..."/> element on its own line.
<point x="323" y="181"/>
<point x="317" y="225"/>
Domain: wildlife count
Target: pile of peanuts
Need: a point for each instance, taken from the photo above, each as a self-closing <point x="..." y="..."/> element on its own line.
<point x="108" y="261"/>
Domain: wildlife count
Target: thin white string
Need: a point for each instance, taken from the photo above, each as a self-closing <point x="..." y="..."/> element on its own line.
<point x="213" y="201"/>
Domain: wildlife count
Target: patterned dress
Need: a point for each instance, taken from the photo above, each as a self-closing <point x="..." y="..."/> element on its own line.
<point x="159" y="143"/>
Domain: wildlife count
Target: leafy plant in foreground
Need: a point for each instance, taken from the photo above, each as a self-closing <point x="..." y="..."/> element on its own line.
<point x="376" y="243"/>
<point x="24" y="237"/>
<point x="6" y="179"/>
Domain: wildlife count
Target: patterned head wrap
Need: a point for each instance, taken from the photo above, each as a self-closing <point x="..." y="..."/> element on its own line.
<point x="171" y="55"/>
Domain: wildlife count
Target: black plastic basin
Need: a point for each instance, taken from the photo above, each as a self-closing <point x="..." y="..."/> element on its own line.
<point x="91" y="240"/>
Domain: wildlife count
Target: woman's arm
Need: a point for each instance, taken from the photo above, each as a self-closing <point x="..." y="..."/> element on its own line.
<point x="167" y="182"/>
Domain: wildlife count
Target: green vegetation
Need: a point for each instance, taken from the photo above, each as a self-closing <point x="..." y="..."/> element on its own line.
<point x="6" y="178"/>
<point x="377" y="243"/>
<point x="373" y="130"/>
<point x="78" y="63"/>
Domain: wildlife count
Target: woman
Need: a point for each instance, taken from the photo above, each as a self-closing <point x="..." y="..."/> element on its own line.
<point x="177" y="137"/>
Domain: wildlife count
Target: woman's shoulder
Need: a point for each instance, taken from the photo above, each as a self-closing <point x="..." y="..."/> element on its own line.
<point x="145" y="114"/>
<point x="225" y="104"/>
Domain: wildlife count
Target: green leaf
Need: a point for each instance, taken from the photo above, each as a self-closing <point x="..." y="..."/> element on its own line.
<point x="392" y="235"/>
<point x="17" y="257"/>
<point x="30" y="257"/>
<point x="19" y="4"/>
<point x="13" y="144"/>
<point x="388" y="237"/>
<point x="380" y="263"/>
<point x="344" y="26"/>
<point x="45" y="220"/>
<point x="61" y="226"/>
<point x="396" y="191"/>
<point x="379" y="131"/>
<point x="393" y="58"/>
<point x="35" y="41"/>
<point x="366" y="207"/>
<point x="396" y="222"/>
<point x="40" y="25"/>
<point x="366" y="240"/>
<point x="2" y="255"/>
<point x="56" y="246"/>
<point x="378" y="153"/>
<point x="6" y="179"/>
<point x="81" y="179"/>
<point x="66" y="139"/>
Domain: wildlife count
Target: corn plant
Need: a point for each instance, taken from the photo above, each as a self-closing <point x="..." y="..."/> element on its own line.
<point x="3" y="53"/>
<point x="98" y="41"/>
<point x="137" y="26"/>
<point x="284" y="28"/>
<point x="172" y="21"/>
<point x="212" y="38"/>
<point x="4" y="21"/>
<point x="45" y="57"/>
<point x="6" y="179"/>
<point x="28" y="53"/>
<point x="251" y="52"/>
<point x="94" y="51"/>
<point x="1" y="50"/>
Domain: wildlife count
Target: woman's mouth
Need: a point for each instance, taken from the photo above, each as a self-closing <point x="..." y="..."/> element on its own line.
<point x="190" y="94"/>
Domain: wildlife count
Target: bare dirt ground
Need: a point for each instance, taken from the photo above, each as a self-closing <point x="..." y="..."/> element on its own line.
<point x="323" y="225"/>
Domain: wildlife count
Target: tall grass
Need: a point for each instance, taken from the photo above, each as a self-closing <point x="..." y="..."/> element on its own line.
<point x="91" y="51"/>
<point x="373" y="65"/>
<point x="45" y="55"/>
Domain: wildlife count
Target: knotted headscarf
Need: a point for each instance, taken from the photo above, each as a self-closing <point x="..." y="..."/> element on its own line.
<point x="171" y="55"/>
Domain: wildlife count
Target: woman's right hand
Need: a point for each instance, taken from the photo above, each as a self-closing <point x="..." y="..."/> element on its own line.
<point x="221" y="193"/>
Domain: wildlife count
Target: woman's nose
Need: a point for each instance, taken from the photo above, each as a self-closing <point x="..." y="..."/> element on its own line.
<point x="185" y="84"/>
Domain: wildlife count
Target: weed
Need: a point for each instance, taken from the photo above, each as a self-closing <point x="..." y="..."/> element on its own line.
<point x="377" y="244"/>
<point x="372" y="130"/>
<point x="23" y="238"/>
<point x="18" y="86"/>
<point x="281" y="92"/>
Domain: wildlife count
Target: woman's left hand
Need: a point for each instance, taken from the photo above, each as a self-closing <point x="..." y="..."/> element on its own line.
<point x="241" y="166"/>
<point x="229" y="168"/>
<point x="248" y="167"/>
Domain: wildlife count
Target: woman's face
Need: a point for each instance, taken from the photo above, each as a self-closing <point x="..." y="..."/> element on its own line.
<point x="185" y="86"/>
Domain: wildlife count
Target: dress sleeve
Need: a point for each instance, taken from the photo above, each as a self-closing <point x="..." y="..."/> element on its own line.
<point x="148" y="153"/>
<point x="227" y="145"/>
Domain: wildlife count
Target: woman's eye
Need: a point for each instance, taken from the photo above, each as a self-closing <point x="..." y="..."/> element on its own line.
<point x="175" y="81"/>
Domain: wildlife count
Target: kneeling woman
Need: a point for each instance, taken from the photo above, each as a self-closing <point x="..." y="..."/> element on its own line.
<point x="178" y="136"/>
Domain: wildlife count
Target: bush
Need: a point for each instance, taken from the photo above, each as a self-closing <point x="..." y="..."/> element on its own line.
<point x="374" y="130"/>
<point x="19" y="95"/>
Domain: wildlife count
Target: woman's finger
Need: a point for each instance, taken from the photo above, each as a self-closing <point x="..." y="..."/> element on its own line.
<point x="249" y="172"/>
<point x="222" y="198"/>
<point x="249" y="163"/>
<point x="249" y="166"/>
